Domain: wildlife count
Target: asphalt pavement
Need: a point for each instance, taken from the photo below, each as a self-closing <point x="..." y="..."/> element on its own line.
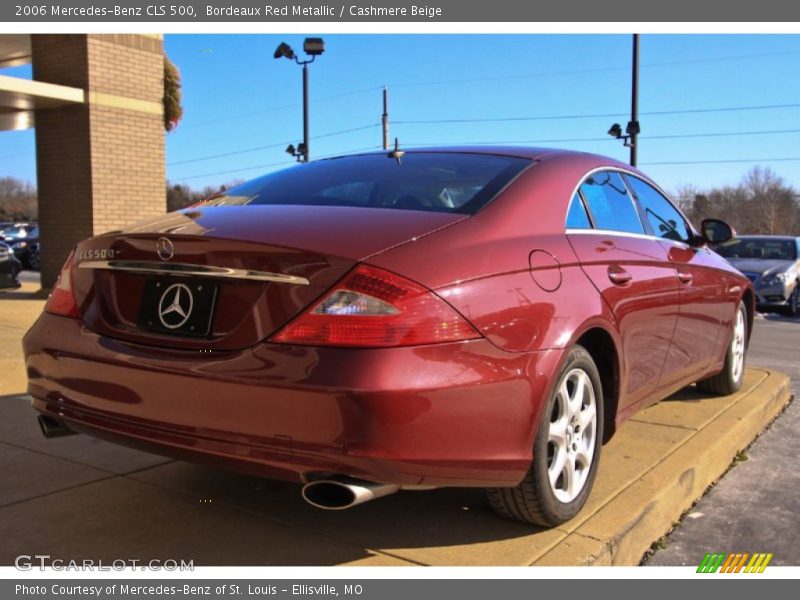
<point x="755" y="507"/>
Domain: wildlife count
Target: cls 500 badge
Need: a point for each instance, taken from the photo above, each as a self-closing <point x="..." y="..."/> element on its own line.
<point x="104" y="254"/>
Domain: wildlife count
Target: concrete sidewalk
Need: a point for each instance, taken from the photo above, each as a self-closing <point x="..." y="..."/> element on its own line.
<point x="77" y="497"/>
<point x="18" y="310"/>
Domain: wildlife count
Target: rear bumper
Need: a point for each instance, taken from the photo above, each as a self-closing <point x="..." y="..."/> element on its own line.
<point x="458" y="414"/>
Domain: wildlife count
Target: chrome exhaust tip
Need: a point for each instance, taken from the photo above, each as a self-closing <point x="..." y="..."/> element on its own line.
<point x="53" y="428"/>
<point x="340" y="493"/>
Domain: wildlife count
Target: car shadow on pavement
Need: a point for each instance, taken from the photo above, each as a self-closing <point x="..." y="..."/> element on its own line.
<point x="24" y="292"/>
<point x="78" y="497"/>
<point x="689" y="394"/>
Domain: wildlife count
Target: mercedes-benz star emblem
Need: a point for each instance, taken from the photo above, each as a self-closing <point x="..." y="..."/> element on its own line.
<point x="175" y="306"/>
<point x="164" y="248"/>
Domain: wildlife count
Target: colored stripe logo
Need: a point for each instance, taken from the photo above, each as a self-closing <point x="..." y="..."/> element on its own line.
<point x="740" y="562"/>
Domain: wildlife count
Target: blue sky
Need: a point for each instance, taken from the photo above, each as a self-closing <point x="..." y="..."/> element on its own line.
<point x="237" y="97"/>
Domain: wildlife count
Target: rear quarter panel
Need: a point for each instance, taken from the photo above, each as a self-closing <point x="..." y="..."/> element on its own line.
<point x="510" y="268"/>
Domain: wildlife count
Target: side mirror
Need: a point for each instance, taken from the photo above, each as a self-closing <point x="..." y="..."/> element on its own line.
<point x="716" y="231"/>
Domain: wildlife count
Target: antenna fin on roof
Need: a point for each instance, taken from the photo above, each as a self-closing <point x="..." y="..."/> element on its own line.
<point x="396" y="154"/>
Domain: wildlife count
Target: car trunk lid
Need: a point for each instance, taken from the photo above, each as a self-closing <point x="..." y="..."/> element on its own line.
<point x="265" y="264"/>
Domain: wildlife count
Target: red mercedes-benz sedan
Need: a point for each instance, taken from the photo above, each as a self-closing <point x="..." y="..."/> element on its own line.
<point x="445" y="317"/>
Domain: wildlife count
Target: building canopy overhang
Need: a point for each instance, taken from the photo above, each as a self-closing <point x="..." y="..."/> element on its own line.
<point x="20" y="98"/>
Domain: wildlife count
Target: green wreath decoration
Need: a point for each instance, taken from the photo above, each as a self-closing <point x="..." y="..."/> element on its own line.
<point x="173" y="111"/>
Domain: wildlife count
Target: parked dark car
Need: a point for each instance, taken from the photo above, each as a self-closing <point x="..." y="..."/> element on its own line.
<point x="26" y="248"/>
<point x="16" y="229"/>
<point x="9" y="268"/>
<point x="772" y="263"/>
<point x="479" y="317"/>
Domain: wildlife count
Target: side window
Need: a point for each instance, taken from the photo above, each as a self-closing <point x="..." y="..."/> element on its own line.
<point x="577" y="217"/>
<point x="664" y="218"/>
<point x="610" y="204"/>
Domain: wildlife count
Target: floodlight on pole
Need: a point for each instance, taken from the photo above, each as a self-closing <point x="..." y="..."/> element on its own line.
<point x="313" y="47"/>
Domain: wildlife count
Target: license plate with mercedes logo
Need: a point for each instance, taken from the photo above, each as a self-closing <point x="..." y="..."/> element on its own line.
<point x="178" y="306"/>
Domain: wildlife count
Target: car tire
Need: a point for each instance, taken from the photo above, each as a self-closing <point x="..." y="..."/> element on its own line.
<point x="729" y="380"/>
<point x="793" y="305"/>
<point x="33" y="260"/>
<point x="545" y="497"/>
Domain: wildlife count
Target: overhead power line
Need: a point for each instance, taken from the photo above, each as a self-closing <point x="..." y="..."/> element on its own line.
<point x="595" y="115"/>
<point x="269" y="146"/>
<point x="627" y="67"/>
<point x="240" y="170"/>
<point x="723" y="161"/>
<point x="610" y="139"/>
<point x="276" y="164"/>
<point x="262" y="111"/>
<point x="234" y="153"/>
<point x="722" y="134"/>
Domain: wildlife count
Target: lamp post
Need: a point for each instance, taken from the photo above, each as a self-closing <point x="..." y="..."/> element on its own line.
<point x="313" y="47"/>
<point x="633" y="126"/>
<point x="632" y="129"/>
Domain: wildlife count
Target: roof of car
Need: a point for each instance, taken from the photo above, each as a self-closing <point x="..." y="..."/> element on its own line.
<point x="531" y="152"/>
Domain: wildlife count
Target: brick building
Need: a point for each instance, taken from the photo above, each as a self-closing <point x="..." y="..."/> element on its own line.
<point x="96" y="103"/>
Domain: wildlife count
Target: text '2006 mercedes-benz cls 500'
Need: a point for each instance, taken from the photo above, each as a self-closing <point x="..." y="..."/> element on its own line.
<point x="449" y="317"/>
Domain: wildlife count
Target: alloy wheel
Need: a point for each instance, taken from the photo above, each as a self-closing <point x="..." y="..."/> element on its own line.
<point x="571" y="437"/>
<point x="738" y="346"/>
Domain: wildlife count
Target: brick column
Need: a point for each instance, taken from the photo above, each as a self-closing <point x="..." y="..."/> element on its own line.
<point x="100" y="165"/>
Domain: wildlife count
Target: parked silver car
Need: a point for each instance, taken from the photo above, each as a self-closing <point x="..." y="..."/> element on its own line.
<point x="772" y="264"/>
<point x="9" y="268"/>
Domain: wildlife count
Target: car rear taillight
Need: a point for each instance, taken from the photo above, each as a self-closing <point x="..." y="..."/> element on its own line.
<point x="61" y="300"/>
<point x="371" y="307"/>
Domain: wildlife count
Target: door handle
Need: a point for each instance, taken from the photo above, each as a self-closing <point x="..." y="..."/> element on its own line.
<point x="685" y="277"/>
<point x="618" y="275"/>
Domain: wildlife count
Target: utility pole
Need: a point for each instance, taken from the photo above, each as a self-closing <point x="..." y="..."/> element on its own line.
<point x="631" y="134"/>
<point x="634" y="127"/>
<point x="304" y="150"/>
<point x="385" y="118"/>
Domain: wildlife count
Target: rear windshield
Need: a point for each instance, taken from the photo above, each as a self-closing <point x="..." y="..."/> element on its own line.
<point x="769" y="248"/>
<point x="439" y="182"/>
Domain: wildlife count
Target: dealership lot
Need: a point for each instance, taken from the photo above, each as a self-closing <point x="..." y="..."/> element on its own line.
<point x="76" y="497"/>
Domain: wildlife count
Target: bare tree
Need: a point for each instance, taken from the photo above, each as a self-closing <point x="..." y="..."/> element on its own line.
<point x="771" y="201"/>
<point x="684" y="196"/>
<point x="762" y="203"/>
<point x="17" y="200"/>
<point x="181" y="195"/>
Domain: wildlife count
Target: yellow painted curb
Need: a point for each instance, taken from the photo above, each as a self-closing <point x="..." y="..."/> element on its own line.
<point x="622" y="530"/>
